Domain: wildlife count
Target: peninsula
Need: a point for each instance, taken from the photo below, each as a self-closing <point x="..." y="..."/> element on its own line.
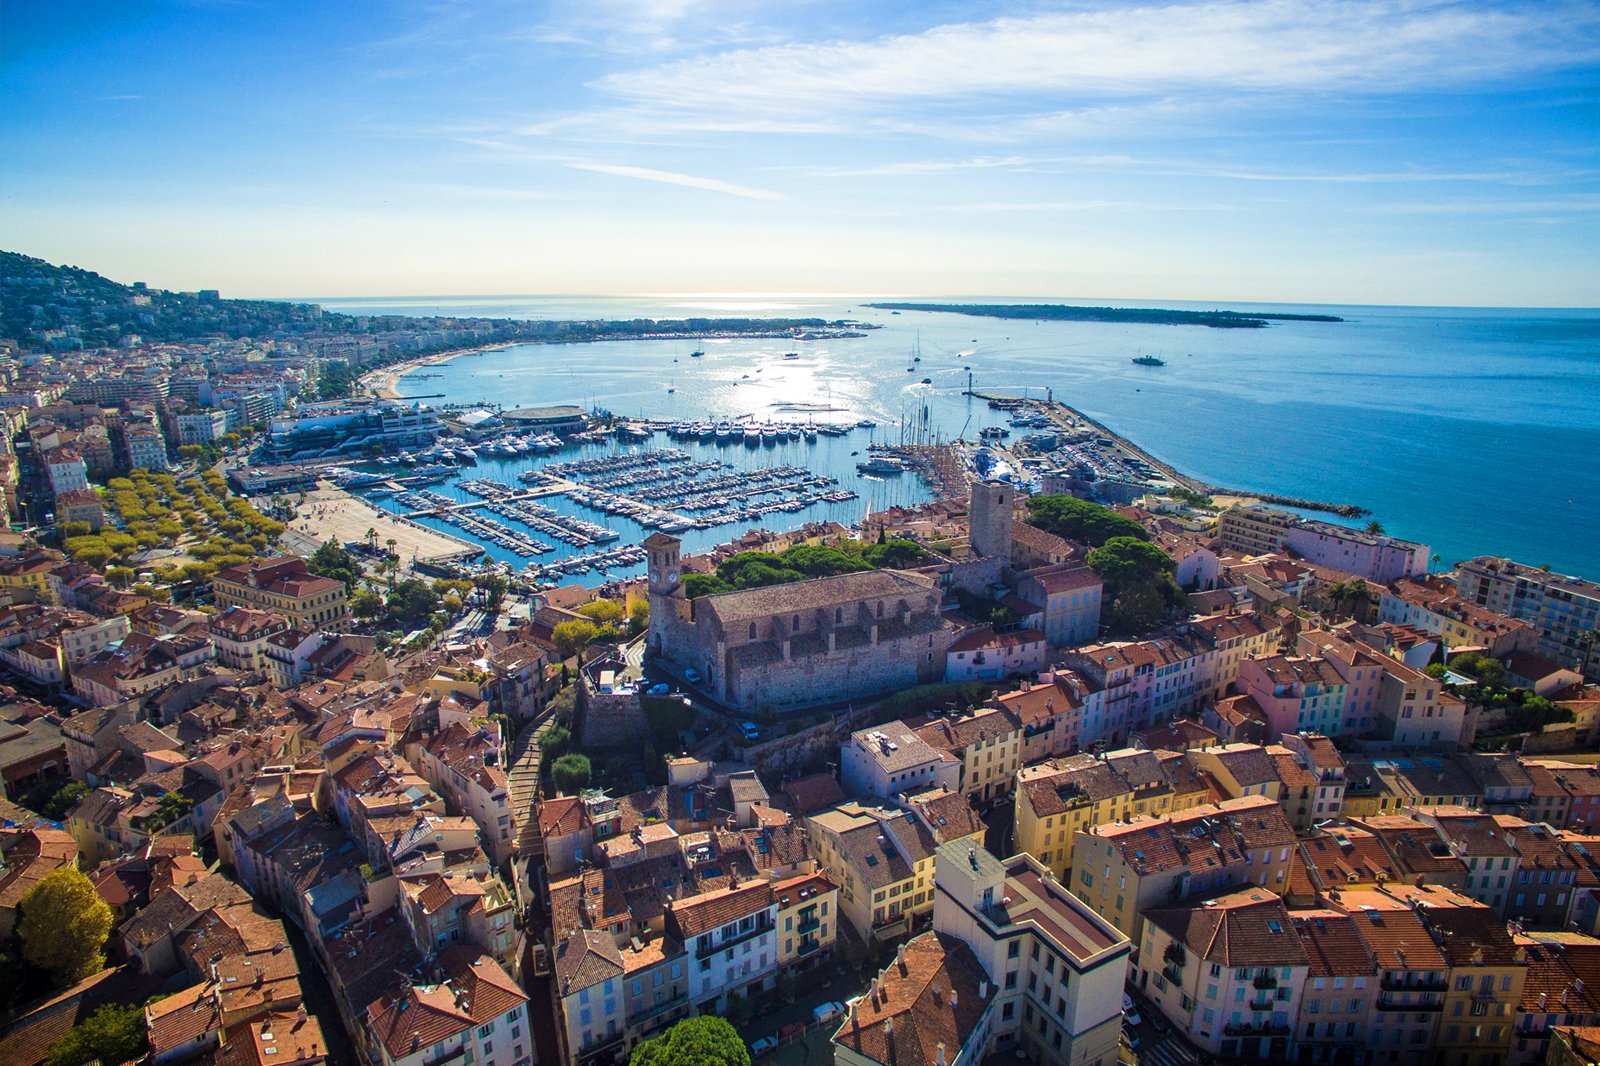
<point x="1073" y="313"/>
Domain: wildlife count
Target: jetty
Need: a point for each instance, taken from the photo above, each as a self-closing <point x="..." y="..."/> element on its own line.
<point x="1070" y="418"/>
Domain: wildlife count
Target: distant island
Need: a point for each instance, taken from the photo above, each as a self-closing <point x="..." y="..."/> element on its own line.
<point x="1153" y="315"/>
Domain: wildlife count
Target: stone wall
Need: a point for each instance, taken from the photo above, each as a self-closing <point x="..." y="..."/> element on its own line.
<point x="807" y="751"/>
<point x="609" y="719"/>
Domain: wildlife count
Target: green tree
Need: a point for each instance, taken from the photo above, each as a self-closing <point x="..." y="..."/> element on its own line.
<point x="114" y="1033"/>
<point x="1080" y="520"/>
<point x="331" y="560"/>
<point x="573" y="636"/>
<point x="571" y="772"/>
<point x="638" y="616"/>
<point x="1138" y="578"/>
<point x="602" y="612"/>
<point x="366" y="605"/>
<point x="703" y="1041"/>
<point x="412" y="602"/>
<point x="64" y="925"/>
<point x="493" y="587"/>
<point x="119" y="577"/>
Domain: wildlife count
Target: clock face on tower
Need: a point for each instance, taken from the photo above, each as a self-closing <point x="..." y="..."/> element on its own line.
<point x="672" y="575"/>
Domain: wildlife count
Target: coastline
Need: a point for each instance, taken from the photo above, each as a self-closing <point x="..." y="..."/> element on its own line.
<point x="1057" y="409"/>
<point x="383" y="383"/>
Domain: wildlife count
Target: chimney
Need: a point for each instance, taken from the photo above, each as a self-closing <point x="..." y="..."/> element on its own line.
<point x="938" y="1054"/>
<point x="952" y="999"/>
<point x="888" y="1028"/>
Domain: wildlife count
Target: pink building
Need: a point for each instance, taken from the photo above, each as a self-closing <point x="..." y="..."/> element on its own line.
<point x="1298" y="695"/>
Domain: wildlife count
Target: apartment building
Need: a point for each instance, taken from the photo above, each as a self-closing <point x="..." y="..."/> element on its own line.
<point x="988" y="743"/>
<point x="1254" y="529"/>
<point x="1120" y="870"/>
<point x="240" y="635"/>
<point x="1057" y="799"/>
<point x="882" y="861"/>
<point x="1433" y="605"/>
<point x="1014" y="964"/>
<point x="730" y="939"/>
<point x="475" y="1013"/>
<point x="808" y="921"/>
<point x="1227" y="971"/>
<point x="283" y="586"/>
<point x="1561" y="609"/>
<point x="892" y="759"/>
<point x="1296" y="693"/>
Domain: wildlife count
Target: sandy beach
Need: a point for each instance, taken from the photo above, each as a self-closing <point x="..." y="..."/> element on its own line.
<point x="329" y="511"/>
<point x="382" y="383"/>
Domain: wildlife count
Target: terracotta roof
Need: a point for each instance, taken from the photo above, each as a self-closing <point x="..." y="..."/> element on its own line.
<point x="475" y="991"/>
<point x="586" y="959"/>
<point x="1250" y="927"/>
<point x="711" y="910"/>
<point x="1332" y="944"/>
<point x="910" y="1014"/>
<point x="813" y="793"/>
<point x="1345" y="854"/>
<point x="182" y="1017"/>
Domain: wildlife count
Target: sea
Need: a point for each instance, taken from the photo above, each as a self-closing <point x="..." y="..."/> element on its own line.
<point x="1473" y="430"/>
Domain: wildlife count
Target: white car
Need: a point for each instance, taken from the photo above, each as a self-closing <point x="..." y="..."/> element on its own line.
<point x="1132" y="1017"/>
<point x="762" y="1046"/>
<point x="660" y="689"/>
<point x="750" y="730"/>
<point x="692" y="676"/>
<point x="1131" y="1038"/>
<point x="1127" y="1002"/>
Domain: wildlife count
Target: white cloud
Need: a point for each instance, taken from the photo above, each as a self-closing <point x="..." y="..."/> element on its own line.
<point x="1277" y="46"/>
<point x="669" y="177"/>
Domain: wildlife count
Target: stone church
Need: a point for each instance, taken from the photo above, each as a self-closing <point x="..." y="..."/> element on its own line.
<point x="826" y="640"/>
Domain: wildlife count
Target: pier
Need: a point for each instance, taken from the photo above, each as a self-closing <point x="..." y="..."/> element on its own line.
<point x="1070" y="418"/>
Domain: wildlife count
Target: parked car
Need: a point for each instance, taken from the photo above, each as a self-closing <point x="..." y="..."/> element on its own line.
<point x="659" y="690"/>
<point x="750" y="730"/>
<point x="1132" y="1016"/>
<point x="762" y="1046"/>
<point x="824" y="1013"/>
<point x="1131" y="1038"/>
<point x="1127" y="1002"/>
<point x="692" y="676"/>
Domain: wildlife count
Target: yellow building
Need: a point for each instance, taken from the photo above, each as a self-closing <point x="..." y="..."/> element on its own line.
<point x="808" y="921"/>
<point x="882" y="861"/>
<point x="1058" y="798"/>
<point x="1121" y="869"/>
<point x="1487" y="971"/>
<point x="283" y="586"/>
<point x="989" y="744"/>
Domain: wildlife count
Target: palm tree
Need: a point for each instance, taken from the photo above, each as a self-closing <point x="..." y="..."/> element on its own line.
<point x="371" y="536"/>
<point x="1375" y="527"/>
<point x="1587" y="642"/>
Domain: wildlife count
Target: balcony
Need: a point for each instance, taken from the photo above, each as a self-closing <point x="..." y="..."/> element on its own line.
<point x="1256" y="1029"/>
<point x="1173" y="974"/>
<point x="808" y="925"/>
<point x="1391" y="1003"/>
<point x="1265" y="980"/>
<point x="1261" y="1004"/>
<point x="1426" y="984"/>
<point x="807" y="946"/>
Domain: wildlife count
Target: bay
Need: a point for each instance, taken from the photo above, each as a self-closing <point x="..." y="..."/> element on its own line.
<point x="1473" y="430"/>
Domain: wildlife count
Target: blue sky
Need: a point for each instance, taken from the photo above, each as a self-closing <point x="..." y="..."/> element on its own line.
<point x="1368" y="151"/>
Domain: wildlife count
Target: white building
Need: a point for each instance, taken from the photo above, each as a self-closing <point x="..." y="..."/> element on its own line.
<point x="731" y="938"/>
<point x="477" y="1014"/>
<point x="891" y="758"/>
<point x="1015" y="962"/>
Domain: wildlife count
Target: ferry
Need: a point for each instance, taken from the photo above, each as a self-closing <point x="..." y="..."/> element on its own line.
<point x="1149" y="360"/>
<point x="791" y="355"/>
<point x="881" y="465"/>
